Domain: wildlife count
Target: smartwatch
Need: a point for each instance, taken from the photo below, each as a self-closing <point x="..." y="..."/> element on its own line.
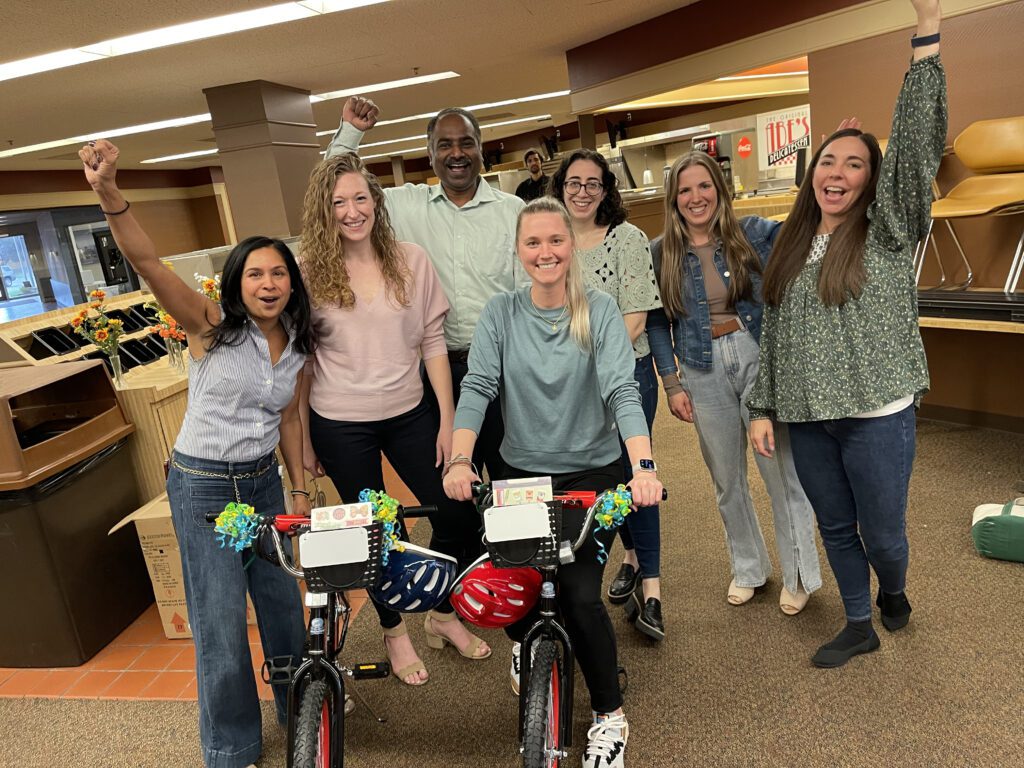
<point x="645" y="465"/>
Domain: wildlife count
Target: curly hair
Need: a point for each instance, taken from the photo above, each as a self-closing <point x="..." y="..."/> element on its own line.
<point x="323" y="251"/>
<point x="611" y="212"/>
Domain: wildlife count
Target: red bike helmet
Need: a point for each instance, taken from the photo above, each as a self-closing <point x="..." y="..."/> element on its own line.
<point x="494" y="598"/>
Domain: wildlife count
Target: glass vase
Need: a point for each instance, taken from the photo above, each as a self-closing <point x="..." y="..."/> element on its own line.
<point x="115" y="366"/>
<point x="175" y="359"/>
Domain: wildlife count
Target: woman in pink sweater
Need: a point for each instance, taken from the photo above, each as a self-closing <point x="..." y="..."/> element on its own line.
<point x="378" y="307"/>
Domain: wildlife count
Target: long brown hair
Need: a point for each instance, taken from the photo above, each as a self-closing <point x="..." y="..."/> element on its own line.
<point x="322" y="250"/>
<point x="740" y="255"/>
<point x="575" y="291"/>
<point x="842" y="269"/>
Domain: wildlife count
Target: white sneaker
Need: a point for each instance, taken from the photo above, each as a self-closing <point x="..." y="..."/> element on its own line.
<point x="350" y="704"/>
<point x="514" y="672"/>
<point x="606" y="742"/>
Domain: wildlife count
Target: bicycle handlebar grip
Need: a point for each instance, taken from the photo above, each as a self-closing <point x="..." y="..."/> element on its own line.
<point x="421" y="511"/>
<point x="479" y="489"/>
<point x="211" y="517"/>
<point x="664" y="494"/>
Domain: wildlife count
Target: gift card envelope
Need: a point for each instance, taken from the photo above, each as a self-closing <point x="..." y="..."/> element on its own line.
<point x="519" y="521"/>
<point x="339" y="547"/>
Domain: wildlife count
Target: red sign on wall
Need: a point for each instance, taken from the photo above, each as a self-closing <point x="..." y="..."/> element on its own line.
<point x="744" y="147"/>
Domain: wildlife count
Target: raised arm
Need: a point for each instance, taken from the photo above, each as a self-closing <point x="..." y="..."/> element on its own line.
<point x="193" y="311"/>
<point x="916" y="141"/>
<point x="357" y="116"/>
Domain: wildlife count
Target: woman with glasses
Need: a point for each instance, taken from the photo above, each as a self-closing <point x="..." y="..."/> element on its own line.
<point x="615" y="257"/>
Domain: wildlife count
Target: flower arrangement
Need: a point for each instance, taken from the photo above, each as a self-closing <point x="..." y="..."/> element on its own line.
<point x="166" y="326"/>
<point x="208" y="286"/>
<point x="93" y="325"/>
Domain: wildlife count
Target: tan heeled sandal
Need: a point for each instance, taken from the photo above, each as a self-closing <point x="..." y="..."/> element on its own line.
<point x="436" y="641"/>
<point x="409" y="669"/>
<point x="791" y="603"/>
<point x="738" y="595"/>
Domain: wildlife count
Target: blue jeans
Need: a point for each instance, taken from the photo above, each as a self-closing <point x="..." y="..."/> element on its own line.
<point x="216" y="581"/>
<point x="718" y="396"/>
<point x="856" y="473"/>
<point x="642" y="531"/>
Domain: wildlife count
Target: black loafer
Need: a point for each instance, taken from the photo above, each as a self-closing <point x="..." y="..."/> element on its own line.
<point x="895" y="610"/>
<point x="855" y="639"/>
<point x="623" y="585"/>
<point x="649" y="621"/>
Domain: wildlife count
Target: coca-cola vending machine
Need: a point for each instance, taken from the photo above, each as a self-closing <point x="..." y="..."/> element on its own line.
<point x="719" y="146"/>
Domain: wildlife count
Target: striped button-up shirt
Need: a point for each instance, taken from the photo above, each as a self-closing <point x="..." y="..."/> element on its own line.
<point x="235" y="399"/>
<point x="473" y="248"/>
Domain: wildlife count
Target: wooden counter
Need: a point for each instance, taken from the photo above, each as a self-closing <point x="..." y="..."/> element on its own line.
<point x="648" y="211"/>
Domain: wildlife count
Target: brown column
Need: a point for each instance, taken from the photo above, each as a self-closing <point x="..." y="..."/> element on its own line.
<point x="267" y="146"/>
<point x="588" y="134"/>
<point x="398" y="169"/>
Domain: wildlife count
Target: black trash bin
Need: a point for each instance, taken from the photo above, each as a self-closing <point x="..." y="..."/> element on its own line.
<point x="66" y="587"/>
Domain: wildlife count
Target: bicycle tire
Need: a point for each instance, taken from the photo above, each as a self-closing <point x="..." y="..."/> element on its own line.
<point x="312" y="747"/>
<point x="541" y="729"/>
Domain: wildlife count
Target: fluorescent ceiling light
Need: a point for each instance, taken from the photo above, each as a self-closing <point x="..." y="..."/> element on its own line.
<point x="182" y="156"/>
<point x="536" y="118"/>
<point x="144" y="128"/>
<point x="177" y="34"/>
<point x="383" y="86"/>
<point x="396" y="152"/>
<point x="761" y="77"/>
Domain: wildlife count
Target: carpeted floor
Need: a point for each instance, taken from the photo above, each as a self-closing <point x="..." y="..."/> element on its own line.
<point x="728" y="687"/>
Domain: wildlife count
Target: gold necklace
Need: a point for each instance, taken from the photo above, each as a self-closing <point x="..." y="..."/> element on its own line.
<point x="553" y="323"/>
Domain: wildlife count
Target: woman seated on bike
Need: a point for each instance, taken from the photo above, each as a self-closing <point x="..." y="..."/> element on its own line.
<point x="246" y="355"/>
<point x="379" y="309"/>
<point x="570" y="382"/>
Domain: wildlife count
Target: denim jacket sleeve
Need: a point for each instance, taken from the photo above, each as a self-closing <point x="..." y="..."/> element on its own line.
<point x="761" y="233"/>
<point x="659" y="336"/>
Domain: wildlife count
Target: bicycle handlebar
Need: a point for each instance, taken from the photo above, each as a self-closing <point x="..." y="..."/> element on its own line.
<point x="481" y="489"/>
<point x="291" y="525"/>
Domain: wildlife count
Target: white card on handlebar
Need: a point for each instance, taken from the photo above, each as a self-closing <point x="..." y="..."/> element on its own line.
<point x="340" y="516"/>
<point x="338" y="547"/>
<point x="516" y="522"/>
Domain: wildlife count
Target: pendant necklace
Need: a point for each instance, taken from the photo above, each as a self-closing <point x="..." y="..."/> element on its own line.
<point x="552" y="323"/>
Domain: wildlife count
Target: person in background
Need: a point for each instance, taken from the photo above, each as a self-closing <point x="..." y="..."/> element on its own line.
<point x="245" y="373"/>
<point x="378" y="308"/>
<point x="615" y="257"/>
<point x="709" y="266"/>
<point x="537" y="185"/>
<point x="842" y="362"/>
<point x="559" y="354"/>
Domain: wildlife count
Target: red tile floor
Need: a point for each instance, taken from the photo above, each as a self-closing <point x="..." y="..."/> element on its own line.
<point x="141" y="663"/>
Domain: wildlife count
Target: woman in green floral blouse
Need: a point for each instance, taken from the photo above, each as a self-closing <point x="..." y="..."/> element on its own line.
<point x="842" y="362"/>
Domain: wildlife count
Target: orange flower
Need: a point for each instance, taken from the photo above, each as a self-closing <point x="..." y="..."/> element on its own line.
<point x="101" y="335"/>
<point x="154" y="329"/>
<point x="164" y="333"/>
<point x="76" y="321"/>
<point x="95" y="304"/>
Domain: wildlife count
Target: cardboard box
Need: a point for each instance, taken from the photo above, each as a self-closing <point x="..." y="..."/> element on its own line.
<point x="163" y="560"/>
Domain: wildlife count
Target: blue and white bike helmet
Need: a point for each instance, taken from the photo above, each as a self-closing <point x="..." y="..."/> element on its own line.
<point x="415" y="580"/>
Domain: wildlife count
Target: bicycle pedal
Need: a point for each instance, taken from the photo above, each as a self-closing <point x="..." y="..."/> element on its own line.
<point x="277" y="670"/>
<point x="373" y="671"/>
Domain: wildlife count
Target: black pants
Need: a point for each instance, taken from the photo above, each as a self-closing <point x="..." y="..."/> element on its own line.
<point x="350" y="452"/>
<point x="579" y="591"/>
<point x="486" y="452"/>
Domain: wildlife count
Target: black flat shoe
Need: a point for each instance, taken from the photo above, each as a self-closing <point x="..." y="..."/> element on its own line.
<point x="855" y="639"/>
<point x="649" y="621"/>
<point x="895" y="610"/>
<point x="623" y="585"/>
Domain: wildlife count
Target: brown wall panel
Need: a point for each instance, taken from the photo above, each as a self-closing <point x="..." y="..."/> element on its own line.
<point x="171" y="226"/>
<point x="684" y="32"/>
<point x="25" y="182"/>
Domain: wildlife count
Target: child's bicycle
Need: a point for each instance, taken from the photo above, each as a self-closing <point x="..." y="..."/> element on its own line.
<point x="498" y="590"/>
<point x="333" y="561"/>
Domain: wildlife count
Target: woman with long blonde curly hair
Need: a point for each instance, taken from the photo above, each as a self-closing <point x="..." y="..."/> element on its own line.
<point x="379" y="306"/>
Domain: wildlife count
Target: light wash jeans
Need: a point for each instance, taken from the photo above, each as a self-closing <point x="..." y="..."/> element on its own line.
<point x="216" y="581"/>
<point x="720" y="414"/>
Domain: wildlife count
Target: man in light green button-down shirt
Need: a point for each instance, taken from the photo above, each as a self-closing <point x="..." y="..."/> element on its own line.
<point x="466" y="226"/>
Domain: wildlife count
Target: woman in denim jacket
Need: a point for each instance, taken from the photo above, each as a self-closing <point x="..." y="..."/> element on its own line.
<point x="709" y="270"/>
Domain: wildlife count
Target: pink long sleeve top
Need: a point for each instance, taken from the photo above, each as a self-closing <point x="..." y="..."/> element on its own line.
<point x="366" y="367"/>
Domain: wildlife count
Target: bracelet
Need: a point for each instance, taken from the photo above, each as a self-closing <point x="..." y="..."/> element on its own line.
<point x="458" y="458"/>
<point x="127" y="205"/>
<point x="921" y="42"/>
<point x="672" y="385"/>
<point x="297" y="492"/>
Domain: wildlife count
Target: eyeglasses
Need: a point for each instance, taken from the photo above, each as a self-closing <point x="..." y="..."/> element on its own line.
<point x="592" y="187"/>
